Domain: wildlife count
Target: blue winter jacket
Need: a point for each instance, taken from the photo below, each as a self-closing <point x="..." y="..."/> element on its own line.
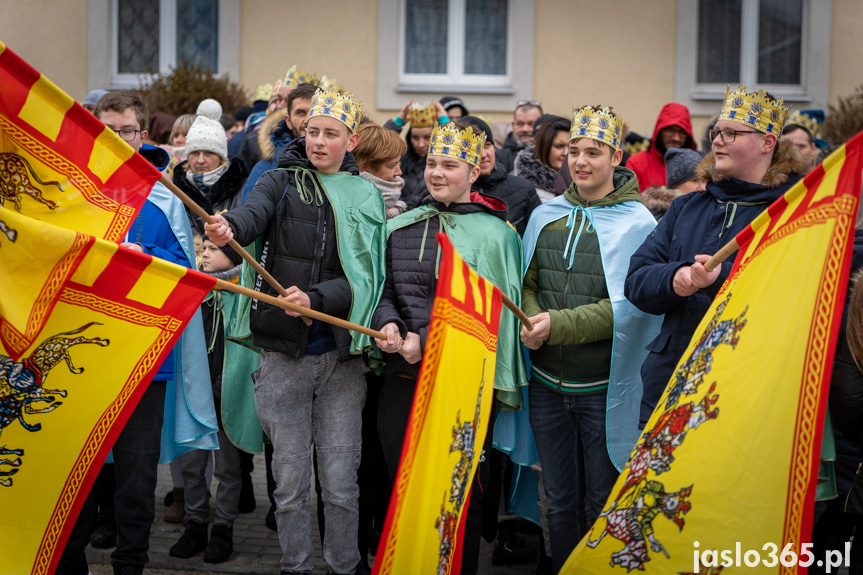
<point x="279" y="137"/>
<point x="696" y="223"/>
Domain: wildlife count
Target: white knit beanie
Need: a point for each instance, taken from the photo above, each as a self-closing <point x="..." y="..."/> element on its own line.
<point x="207" y="135"/>
<point x="210" y="108"/>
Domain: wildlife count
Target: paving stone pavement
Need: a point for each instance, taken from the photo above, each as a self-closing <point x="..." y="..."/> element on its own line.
<point x="256" y="548"/>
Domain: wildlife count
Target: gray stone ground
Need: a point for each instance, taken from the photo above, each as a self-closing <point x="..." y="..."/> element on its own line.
<point x="256" y="548"/>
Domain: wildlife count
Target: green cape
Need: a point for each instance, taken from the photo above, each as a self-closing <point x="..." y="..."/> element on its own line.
<point x="492" y="249"/>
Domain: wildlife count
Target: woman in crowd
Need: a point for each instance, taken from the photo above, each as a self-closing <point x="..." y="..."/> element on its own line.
<point x="378" y="156"/>
<point x="540" y="162"/>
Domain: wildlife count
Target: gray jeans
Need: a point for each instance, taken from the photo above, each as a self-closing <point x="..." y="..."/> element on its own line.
<point x="314" y="400"/>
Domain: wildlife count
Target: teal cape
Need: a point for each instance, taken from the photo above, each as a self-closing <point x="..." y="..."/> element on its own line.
<point x="190" y="416"/>
<point x="360" y="217"/>
<point x="493" y="250"/>
<point x="239" y="418"/>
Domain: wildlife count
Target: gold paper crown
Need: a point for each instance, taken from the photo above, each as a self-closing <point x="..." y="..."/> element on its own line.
<point x="264" y="92"/>
<point x="327" y="83"/>
<point x="422" y="116"/>
<point x="596" y="123"/>
<point x="465" y="145"/>
<point x="339" y="105"/>
<point x="754" y="109"/>
<point x="804" y="120"/>
<point x="294" y="77"/>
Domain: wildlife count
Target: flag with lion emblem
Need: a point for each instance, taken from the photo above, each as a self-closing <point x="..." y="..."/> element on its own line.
<point x="66" y="390"/>
<point x="728" y="462"/>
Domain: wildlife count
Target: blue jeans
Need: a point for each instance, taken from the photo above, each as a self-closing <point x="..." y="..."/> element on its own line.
<point x="577" y="472"/>
<point x="314" y="399"/>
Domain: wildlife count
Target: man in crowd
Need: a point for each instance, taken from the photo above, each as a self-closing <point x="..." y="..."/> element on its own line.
<point x="673" y="130"/>
<point x="748" y="169"/>
<point x="526" y="113"/>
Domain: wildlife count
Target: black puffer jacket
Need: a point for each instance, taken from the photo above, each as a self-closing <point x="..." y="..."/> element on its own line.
<point x="300" y="249"/>
<point x="410" y="285"/>
<point x="518" y="194"/>
<point x="507" y="154"/>
<point x="226" y="194"/>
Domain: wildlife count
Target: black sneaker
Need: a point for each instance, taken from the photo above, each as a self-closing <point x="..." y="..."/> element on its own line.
<point x="221" y="544"/>
<point x="270" y="519"/>
<point x="104" y="537"/>
<point x="193" y="540"/>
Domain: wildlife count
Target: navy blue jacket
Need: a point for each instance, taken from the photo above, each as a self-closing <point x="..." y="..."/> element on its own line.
<point x="279" y="137"/>
<point x="154" y="233"/>
<point x="696" y="223"/>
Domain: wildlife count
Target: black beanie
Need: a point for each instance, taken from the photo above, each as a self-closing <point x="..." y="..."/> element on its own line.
<point x="232" y="254"/>
<point x="482" y="126"/>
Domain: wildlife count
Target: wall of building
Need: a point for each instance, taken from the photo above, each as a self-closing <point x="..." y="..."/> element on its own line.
<point x="277" y="34"/>
<point x="846" y="53"/>
<point x="51" y="37"/>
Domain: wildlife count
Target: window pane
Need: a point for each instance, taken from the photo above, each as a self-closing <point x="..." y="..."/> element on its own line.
<point x="780" y="25"/>
<point x="137" y="36"/>
<point x="426" y="36"/>
<point x="198" y="32"/>
<point x="485" y="37"/>
<point x="719" y="41"/>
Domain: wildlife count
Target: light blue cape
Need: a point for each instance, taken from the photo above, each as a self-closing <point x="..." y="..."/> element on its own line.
<point x="190" y="415"/>
<point x="621" y="229"/>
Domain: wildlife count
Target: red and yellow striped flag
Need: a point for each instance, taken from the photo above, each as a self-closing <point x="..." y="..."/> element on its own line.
<point x="111" y="318"/>
<point x="58" y="163"/>
<point x="447" y="425"/>
<point x="725" y="472"/>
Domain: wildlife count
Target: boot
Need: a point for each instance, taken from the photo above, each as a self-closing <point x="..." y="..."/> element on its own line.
<point x="193" y="540"/>
<point x="176" y="512"/>
<point x="221" y="544"/>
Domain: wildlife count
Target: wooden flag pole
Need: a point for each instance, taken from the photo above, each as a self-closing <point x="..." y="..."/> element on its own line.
<point x="510" y="305"/>
<point x="233" y="243"/>
<point x="722" y="255"/>
<point x="228" y="286"/>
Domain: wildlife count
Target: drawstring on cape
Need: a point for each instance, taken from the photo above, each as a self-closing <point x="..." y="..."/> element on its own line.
<point x="570" y="225"/>
<point x="215" y="299"/>
<point x="426" y="215"/>
<point x="302" y="177"/>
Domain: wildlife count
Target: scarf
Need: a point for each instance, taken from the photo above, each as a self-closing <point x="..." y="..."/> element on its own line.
<point x="528" y="166"/>
<point x="204" y="182"/>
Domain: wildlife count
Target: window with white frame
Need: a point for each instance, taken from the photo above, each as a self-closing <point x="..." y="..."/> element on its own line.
<point x="779" y="45"/>
<point x="457" y="42"/>
<point x="155" y="35"/>
<point x="427" y="48"/>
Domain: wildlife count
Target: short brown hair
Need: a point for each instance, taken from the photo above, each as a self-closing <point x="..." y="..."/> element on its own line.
<point x="301" y="92"/>
<point x="120" y="102"/>
<point x="377" y="145"/>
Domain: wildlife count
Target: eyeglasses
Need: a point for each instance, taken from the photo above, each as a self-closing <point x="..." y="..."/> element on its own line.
<point x="126" y="134"/>
<point x="521" y="103"/>
<point x="727" y="135"/>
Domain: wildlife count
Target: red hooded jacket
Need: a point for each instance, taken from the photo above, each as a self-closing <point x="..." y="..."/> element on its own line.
<point x="649" y="165"/>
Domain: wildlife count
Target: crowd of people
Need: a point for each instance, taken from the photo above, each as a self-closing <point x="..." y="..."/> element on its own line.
<point x="600" y="235"/>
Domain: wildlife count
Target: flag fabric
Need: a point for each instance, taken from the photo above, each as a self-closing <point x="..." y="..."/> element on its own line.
<point x="58" y="163"/>
<point x="65" y="396"/>
<point x="447" y="425"/>
<point x="726" y="469"/>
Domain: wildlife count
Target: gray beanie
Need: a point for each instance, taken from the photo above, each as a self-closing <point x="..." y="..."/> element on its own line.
<point x="93" y="97"/>
<point x="680" y="165"/>
<point x="207" y="135"/>
<point x="209" y="108"/>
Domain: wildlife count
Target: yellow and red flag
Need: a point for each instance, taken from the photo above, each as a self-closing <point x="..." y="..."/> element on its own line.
<point x="724" y="474"/>
<point x="447" y="425"/>
<point x="111" y="318"/>
<point x="58" y="163"/>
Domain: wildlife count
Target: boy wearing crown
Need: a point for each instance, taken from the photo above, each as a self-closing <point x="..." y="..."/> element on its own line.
<point x="323" y="232"/>
<point x="477" y="227"/>
<point x="747" y="170"/>
<point x="576" y="251"/>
